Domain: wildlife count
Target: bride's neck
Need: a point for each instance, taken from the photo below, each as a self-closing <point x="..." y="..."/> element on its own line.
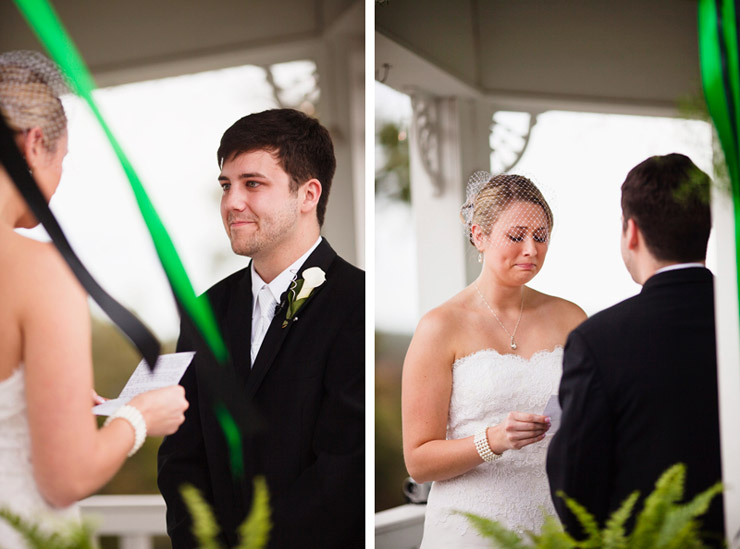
<point x="12" y="206"/>
<point x="500" y="296"/>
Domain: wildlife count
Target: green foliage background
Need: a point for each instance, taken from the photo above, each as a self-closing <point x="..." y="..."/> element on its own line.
<point x="390" y="470"/>
<point x="393" y="179"/>
<point x="392" y="182"/>
<point x="114" y="360"/>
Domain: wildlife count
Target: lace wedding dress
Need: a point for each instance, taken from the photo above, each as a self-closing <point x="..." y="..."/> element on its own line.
<point x="512" y="490"/>
<point x="18" y="491"/>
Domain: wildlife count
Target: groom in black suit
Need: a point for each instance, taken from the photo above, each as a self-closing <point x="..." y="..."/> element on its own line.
<point x="302" y="371"/>
<point x="639" y="385"/>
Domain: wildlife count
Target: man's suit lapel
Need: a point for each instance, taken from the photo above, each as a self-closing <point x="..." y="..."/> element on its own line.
<point x="321" y="257"/>
<point x="239" y="324"/>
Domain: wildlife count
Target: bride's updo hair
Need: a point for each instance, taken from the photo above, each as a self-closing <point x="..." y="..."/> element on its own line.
<point x="30" y="87"/>
<point x="487" y="197"/>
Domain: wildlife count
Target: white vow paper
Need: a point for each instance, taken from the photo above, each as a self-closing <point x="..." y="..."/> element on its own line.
<point x="552" y="409"/>
<point x="168" y="371"/>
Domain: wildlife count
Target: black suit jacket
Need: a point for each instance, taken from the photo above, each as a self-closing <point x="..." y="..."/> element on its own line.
<point x="307" y="386"/>
<point x="639" y="394"/>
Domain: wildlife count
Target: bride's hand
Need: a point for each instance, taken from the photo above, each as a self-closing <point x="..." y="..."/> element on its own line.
<point x="518" y="430"/>
<point x="163" y="409"/>
<point x="97" y="399"/>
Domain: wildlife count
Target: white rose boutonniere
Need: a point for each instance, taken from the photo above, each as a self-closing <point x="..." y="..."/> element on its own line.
<point x="300" y="290"/>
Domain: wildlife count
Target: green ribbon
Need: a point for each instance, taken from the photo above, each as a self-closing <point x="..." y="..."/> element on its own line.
<point x="47" y="26"/>
<point x="233" y="438"/>
<point x="50" y="32"/>
<point x="720" y="73"/>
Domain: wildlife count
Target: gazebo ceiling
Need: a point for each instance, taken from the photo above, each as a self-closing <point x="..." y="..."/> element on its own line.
<point x="626" y="56"/>
<point x="138" y="39"/>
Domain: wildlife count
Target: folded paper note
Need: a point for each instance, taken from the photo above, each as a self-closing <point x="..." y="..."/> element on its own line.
<point x="553" y="411"/>
<point x="168" y="371"/>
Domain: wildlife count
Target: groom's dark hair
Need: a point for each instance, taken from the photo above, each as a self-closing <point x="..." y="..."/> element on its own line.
<point x="668" y="199"/>
<point x="300" y="144"/>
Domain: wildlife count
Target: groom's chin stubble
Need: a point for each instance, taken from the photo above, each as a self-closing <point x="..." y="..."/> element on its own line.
<point x="245" y="249"/>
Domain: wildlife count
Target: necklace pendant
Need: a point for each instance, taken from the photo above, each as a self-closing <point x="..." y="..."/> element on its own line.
<point x="513" y="345"/>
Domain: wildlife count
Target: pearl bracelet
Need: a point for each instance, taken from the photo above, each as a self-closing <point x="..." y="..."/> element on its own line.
<point x="482" y="446"/>
<point x="134" y="417"/>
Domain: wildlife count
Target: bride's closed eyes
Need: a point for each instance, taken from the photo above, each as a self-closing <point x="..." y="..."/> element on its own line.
<point x="519" y="234"/>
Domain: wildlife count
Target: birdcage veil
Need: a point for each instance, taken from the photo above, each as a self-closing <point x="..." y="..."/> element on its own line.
<point x="513" y="199"/>
<point x="30" y="89"/>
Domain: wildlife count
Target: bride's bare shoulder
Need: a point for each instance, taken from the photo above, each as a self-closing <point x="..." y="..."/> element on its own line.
<point x="563" y="311"/>
<point x="33" y="268"/>
<point x="25" y="256"/>
<point x="448" y="316"/>
<point x="442" y="329"/>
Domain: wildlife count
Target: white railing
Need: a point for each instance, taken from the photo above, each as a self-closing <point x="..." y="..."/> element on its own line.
<point x="134" y="519"/>
<point x="400" y="527"/>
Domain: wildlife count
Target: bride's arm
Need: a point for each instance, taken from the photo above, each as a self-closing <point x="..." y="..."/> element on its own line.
<point x="426" y="390"/>
<point x="71" y="457"/>
<point x="425" y="397"/>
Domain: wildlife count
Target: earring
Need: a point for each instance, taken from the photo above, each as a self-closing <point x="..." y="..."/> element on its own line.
<point x="480" y="257"/>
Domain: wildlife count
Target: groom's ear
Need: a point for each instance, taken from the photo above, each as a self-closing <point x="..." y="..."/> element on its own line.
<point x="631" y="234"/>
<point x="310" y="194"/>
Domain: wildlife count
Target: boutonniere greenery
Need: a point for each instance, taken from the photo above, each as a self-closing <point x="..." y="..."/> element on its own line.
<point x="301" y="289"/>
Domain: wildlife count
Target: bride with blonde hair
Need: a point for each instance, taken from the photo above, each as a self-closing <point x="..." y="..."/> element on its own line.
<point x="52" y="453"/>
<point x="480" y="370"/>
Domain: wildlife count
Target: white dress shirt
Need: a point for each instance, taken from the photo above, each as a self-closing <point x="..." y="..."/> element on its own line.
<point x="271" y="293"/>
<point x="677" y="266"/>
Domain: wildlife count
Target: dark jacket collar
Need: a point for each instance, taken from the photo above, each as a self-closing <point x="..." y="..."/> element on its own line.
<point x="678" y="276"/>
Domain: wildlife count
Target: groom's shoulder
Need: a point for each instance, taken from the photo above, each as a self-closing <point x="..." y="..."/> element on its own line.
<point x="347" y="279"/>
<point x="348" y="272"/>
<point x="226" y="285"/>
<point x="611" y="317"/>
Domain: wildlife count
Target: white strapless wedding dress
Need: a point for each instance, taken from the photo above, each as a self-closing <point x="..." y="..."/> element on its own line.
<point x="512" y="490"/>
<point x="18" y="491"/>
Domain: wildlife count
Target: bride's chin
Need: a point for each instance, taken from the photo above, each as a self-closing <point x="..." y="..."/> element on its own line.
<point x="526" y="278"/>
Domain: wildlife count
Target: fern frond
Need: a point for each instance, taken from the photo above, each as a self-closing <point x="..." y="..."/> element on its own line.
<point x="255" y="530"/>
<point x="700" y="504"/>
<point x="490" y="529"/>
<point x="681" y="518"/>
<point x="555" y="542"/>
<point x="552" y="536"/>
<point x="668" y="490"/>
<point x="587" y="520"/>
<point x="614" y="536"/>
<point x="70" y="535"/>
<point x="671" y="483"/>
<point x="205" y="528"/>
<point x="687" y="537"/>
<point x="81" y="536"/>
<point x="35" y="538"/>
<point x="663" y="523"/>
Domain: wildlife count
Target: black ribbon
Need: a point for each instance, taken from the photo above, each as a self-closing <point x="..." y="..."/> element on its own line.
<point x="221" y="385"/>
<point x="17" y="169"/>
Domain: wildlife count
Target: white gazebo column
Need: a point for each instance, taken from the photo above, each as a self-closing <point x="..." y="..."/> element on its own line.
<point x="728" y="359"/>
<point x="447" y="142"/>
<point x="341" y="68"/>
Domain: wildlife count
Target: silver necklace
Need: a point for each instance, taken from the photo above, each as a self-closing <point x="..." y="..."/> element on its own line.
<point x="521" y="308"/>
